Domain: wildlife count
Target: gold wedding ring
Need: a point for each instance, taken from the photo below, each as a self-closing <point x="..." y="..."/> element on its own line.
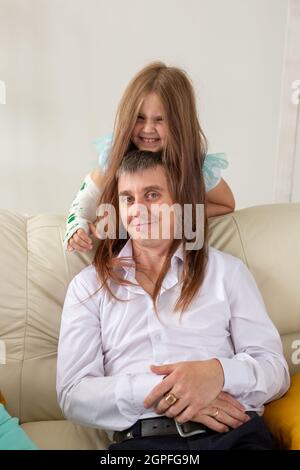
<point x="215" y="413"/>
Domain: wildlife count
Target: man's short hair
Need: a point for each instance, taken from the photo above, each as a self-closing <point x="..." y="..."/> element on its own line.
<point x="139" y="160"/>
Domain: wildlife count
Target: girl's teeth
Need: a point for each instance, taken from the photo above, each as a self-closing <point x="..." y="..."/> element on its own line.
<point x="149" y="140"/>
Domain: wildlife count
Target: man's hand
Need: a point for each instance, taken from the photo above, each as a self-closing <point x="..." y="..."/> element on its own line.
<point x="223" y="413"/>
<point x="194" y="383"/>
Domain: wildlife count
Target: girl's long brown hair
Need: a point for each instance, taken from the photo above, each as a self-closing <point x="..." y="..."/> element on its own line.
<point x="183" y="157"/>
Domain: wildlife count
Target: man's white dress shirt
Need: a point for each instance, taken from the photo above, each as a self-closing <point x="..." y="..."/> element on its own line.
<point x="106" y="346"/>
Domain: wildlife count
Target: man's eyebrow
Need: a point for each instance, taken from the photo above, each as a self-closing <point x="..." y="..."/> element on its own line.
<point x="147" y="188"/>
<point x="124" y="193"/>
<point x="155" y="187"/>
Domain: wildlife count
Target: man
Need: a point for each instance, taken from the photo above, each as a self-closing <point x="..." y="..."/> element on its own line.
<point x="175" y="351"/>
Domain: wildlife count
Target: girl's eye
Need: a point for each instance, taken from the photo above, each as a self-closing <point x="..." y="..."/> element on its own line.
<point x="140" y="117"/>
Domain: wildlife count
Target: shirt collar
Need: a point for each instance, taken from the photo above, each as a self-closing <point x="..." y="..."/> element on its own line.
<point x="172" y="276"/>
<point x="127" y="251"/>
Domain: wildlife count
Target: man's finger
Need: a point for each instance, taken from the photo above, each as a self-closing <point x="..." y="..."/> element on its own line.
<point x="232" y="411"/>
<point x="157" y="392"/>
<point x="210" y="422"/>
<point x="164" y="369"/>
<point x="229" y="398"/>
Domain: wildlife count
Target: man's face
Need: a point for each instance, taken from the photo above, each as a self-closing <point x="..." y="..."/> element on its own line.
<point x="145" y="205"/>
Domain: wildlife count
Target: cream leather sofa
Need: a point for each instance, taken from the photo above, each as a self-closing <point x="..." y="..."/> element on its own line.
<point x="35" y="273"/>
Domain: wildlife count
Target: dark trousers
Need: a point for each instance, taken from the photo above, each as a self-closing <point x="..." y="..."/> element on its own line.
<point x="251" y="435"/>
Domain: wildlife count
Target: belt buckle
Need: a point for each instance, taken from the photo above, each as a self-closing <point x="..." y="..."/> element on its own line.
<point x="120" y="436"/>
<point x="182" y="433"/>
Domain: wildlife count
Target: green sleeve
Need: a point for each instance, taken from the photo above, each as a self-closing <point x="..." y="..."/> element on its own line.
<point x="12" y="436"/>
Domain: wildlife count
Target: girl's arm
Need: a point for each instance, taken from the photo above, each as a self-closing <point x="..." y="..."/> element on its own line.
<point x="97" y="177"/>
<point x="82" y="212"/>
<point x="220" y="200"/>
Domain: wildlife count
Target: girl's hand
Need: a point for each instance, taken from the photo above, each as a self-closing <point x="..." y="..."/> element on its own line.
<point x="80" y="241"/>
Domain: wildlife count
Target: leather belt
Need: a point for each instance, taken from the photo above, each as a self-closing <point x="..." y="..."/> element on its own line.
<point x="164" y="426"/>
<point x="160" y="426"/>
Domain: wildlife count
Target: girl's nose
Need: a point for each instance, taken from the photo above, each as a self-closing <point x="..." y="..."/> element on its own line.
<point x="148" y="127"/>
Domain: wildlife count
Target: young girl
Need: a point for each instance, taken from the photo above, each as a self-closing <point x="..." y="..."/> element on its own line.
<point x="157" y="112"/>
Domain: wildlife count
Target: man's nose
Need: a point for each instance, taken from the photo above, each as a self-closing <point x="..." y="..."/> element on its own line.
<point x="138" y="209"/>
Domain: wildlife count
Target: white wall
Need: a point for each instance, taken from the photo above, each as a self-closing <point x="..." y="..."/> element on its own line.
<point x="296" y="181"/>
<point x="66" y="64"/>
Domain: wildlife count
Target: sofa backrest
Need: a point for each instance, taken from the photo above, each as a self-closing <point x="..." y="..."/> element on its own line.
<point x="35" y="273"/>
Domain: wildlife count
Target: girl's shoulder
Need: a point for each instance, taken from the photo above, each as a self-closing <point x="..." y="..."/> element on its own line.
<point x="212" y="166"/>
<point x="216" y="160"/>
<point x="103" y="146"/>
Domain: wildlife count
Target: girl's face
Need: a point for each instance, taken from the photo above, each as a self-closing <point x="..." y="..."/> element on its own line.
<point x="150" y="130"/>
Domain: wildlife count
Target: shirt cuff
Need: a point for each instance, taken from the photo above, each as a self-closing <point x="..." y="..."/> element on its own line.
<point x="142" y="385"/>
<point x="131" y="393"/>
<point x="237" y="376"/>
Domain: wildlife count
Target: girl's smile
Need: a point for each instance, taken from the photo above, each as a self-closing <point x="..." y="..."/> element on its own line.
<point x="150" y="130"/>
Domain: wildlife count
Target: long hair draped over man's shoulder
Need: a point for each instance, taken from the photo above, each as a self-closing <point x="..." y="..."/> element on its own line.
<point x="182" y="156"/>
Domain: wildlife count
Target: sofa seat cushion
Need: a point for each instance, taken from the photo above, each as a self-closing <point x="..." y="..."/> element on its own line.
<point x="283" y="417"/>
<point x="65" y="435"/>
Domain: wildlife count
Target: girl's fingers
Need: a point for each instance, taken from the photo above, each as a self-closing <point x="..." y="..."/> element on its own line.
<point x="76" y="247"/>
<point x="83" y="236"/>
<point x="80" y="242"/>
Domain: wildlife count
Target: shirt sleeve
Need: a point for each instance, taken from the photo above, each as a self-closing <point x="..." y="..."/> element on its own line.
<point x="85" y="394"/>
<point x="258" y="371"/>
<point x="212" y="166"/>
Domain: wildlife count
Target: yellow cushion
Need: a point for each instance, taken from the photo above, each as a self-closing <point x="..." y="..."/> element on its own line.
<point x="283" y="417"/>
